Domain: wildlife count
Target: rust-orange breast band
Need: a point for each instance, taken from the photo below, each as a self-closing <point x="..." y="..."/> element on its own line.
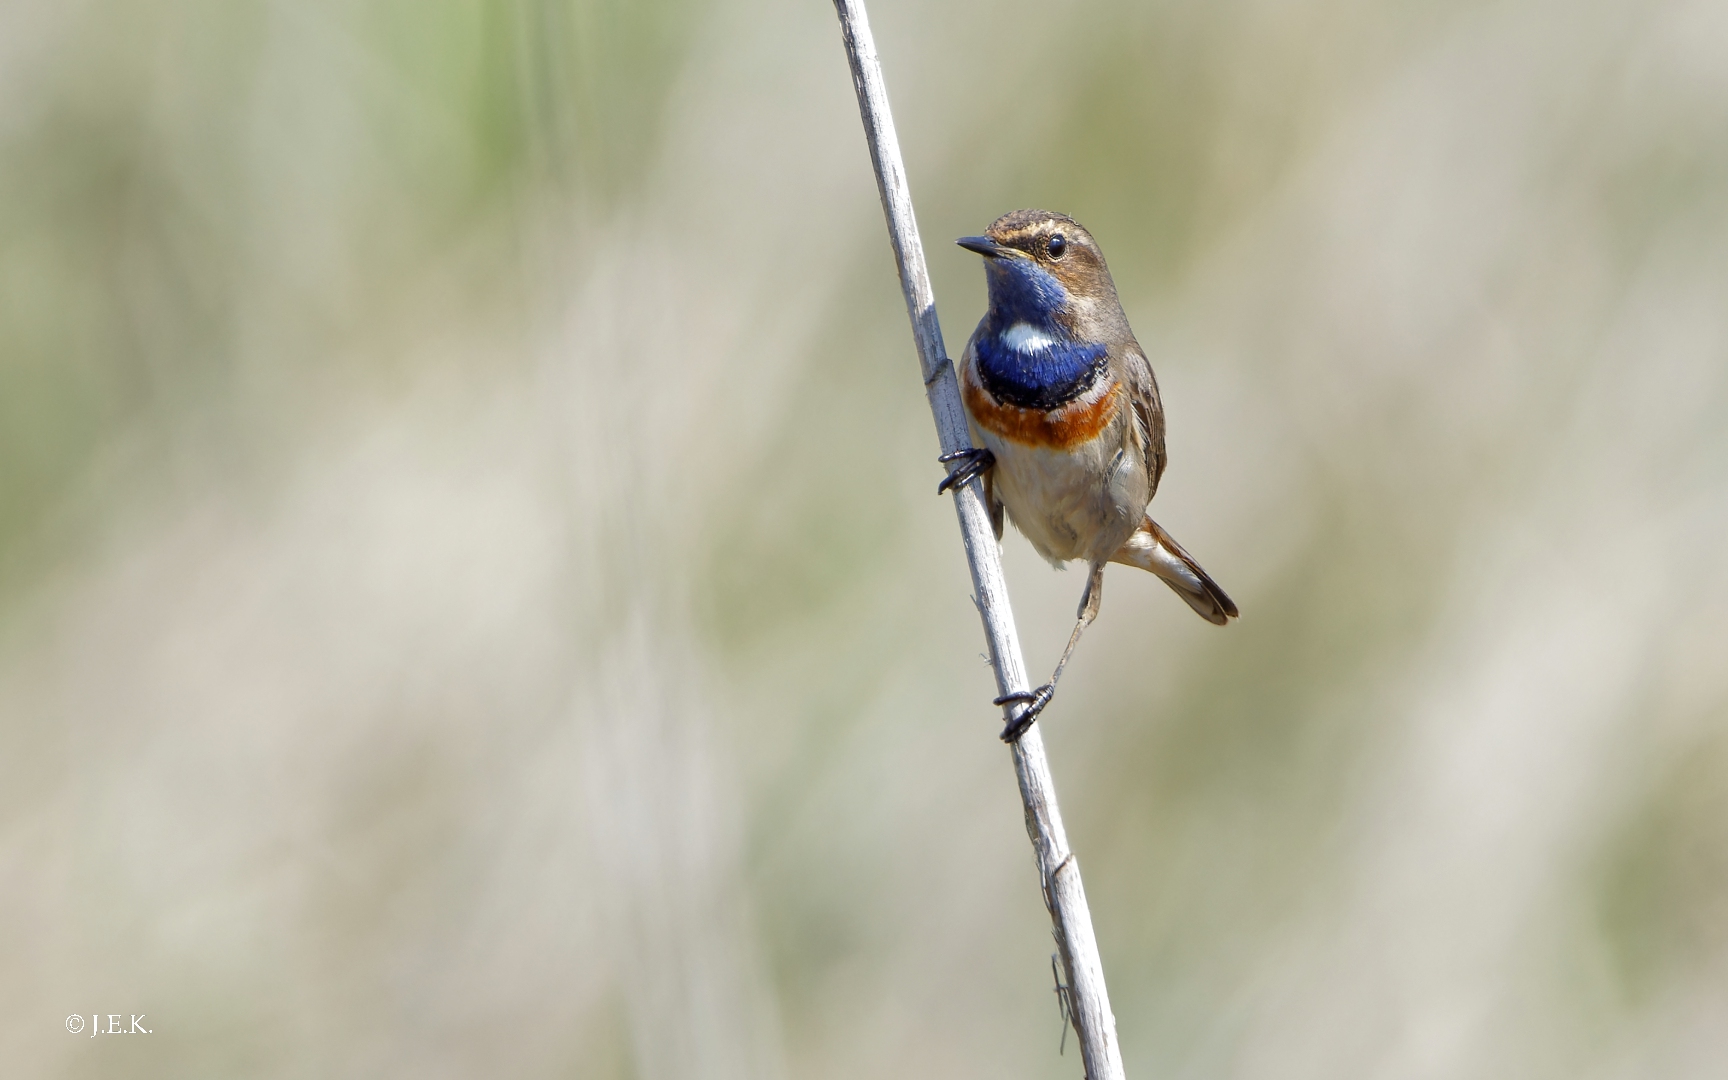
<point x="1061" y="428"/>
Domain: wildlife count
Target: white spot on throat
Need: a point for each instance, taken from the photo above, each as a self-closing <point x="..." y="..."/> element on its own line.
<point x="1026" y="338"/>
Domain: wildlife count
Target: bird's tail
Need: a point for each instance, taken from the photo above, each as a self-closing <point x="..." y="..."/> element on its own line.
<point x="1151" y="548"/>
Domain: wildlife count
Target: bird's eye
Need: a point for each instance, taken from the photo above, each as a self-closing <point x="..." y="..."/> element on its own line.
<point x="1057" y="246"/>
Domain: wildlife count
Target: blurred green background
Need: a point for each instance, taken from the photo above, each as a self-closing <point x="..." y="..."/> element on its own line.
<point x="473" y="599"/>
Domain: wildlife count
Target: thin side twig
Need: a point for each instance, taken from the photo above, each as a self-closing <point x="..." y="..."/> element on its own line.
<point x="1064" y="895"/>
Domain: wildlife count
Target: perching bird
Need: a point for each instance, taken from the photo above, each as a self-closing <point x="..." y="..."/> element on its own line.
<point x="1065" y="418"/>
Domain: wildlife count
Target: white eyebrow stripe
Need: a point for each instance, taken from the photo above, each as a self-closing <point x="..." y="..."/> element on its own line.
<point x="1025" y="338"/>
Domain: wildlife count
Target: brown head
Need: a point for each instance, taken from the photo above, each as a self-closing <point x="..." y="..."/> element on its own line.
<point x="1025" y="250"/>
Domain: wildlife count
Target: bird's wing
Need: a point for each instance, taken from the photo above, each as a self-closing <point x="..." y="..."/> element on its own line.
<point x="1148" y="411"/>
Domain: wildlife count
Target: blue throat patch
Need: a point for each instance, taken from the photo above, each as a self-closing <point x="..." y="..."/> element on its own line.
<point x="1040" y="379"/>
<point x="1043" y="378"/>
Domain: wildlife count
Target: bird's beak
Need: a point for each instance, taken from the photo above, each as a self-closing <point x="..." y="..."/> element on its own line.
<point x="983" y="245"/>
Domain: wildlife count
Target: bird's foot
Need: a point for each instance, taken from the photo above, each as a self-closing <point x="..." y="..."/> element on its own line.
<point x="1035" y="702"/>
<point x="975" y="462"/>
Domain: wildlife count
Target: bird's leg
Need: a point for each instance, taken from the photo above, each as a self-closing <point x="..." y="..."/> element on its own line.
<point x="977" y="462"/>
<point x="1037" y="699"/>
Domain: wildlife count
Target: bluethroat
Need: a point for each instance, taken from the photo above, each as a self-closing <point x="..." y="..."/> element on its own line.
<point x="1067" y="428"/>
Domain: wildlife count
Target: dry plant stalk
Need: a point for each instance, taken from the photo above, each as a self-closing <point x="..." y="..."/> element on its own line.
<point x="1088" y="1000"/>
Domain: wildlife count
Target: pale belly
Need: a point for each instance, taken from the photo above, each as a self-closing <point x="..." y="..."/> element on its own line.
<point x="1077" y="503"/>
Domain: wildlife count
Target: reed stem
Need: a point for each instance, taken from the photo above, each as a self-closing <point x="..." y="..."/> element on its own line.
<point x="1088" y="1000"/>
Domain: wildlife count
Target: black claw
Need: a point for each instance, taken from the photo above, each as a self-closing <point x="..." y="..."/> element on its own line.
<point x="977" y="461"/>
<point x="1035" y="699"/>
